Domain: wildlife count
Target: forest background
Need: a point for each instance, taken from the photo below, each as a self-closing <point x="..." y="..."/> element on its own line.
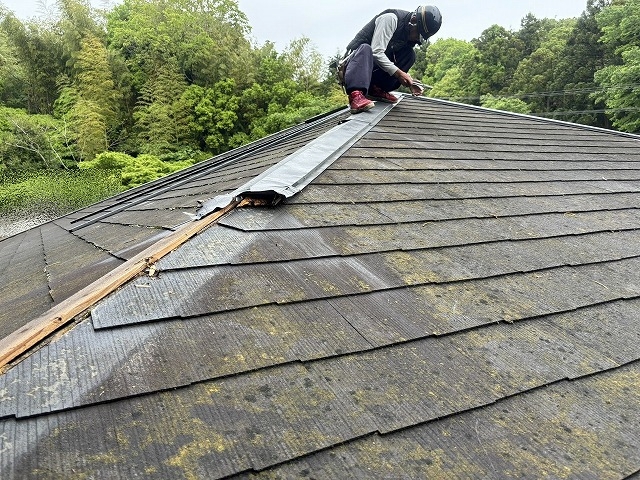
<point x="93" y="102"/>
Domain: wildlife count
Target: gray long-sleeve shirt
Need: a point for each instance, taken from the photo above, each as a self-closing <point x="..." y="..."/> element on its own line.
<point x="385" y="28"/>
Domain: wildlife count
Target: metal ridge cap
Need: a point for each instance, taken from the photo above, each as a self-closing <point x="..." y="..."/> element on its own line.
<point x="531" y="117"/>
<point x="296" y="171"/>
<point x="169" y="182"/>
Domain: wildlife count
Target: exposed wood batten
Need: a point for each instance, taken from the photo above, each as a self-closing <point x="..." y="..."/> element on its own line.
<point x="23" y="339"/>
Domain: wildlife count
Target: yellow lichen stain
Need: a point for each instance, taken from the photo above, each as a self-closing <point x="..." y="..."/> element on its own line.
<point x="256" y="255"/>
<point x="203" y="443"/>
<point x="625" y="385"/>
<point x="411" y="269"/>
<point x="377" y="234"/>
<point x="375" y="455"/>
<point x="310" y="438"/>
<point x="107" y="458"/>
<point x="362" y="285"/>
<point x="327" y="287"/>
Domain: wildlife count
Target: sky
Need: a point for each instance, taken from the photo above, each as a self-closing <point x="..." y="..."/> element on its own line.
<point x="331" y="24"/>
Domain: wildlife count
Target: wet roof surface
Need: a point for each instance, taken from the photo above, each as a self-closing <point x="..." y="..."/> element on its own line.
<point x="45" y="265"/>
<point x="457" y="295"/>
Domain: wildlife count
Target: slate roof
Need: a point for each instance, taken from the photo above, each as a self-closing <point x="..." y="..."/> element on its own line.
<point x="455" y="296"/>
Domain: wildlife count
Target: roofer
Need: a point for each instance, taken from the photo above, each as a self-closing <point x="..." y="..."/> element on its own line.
<point x="378" y="58"/>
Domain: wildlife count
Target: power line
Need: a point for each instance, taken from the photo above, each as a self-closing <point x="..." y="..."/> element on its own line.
<point x="566" y="113"/>
<point x="552" y="93"/>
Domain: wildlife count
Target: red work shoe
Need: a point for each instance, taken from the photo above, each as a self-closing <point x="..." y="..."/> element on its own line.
<point x="376" y="93"/>
<point x="358" y="103"/>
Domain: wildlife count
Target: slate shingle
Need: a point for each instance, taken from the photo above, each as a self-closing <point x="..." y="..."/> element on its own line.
<point x="457" y="295"/>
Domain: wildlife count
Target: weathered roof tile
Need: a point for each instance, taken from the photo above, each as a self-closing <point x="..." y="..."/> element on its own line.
<point x="456" y="295"/>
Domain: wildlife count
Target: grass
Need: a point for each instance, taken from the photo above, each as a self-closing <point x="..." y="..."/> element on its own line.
<point x="55" y="193"/>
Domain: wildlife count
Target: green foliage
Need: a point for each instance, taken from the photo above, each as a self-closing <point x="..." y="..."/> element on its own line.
<point x="160" y="121"/>
<point x="443" y="55"/>
<point x="582" y="55"/>
<point x="306" y="62"/>
<point x="38" y="49"/>
<point x="620" y="82"/>
<point x="499" y="53"/>
<point x="507" y="104"/>
<point x="133" y="171"/>
<point x="536" y="73"/>
<point x="206" y="38"/>
<point x="108" y="161"/>
<point x="55" y="193"/>
<point x="622" y="90"/>
<point x="212" y="114"/>
<point x="146" y="168"/>
<point x="443" y="63"/>
<point x="29" y="142"/>
<point x="12" y="74"/>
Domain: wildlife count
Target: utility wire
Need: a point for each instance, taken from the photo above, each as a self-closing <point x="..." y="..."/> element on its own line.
<point x="553" y="93"/>
<point x="565" y="113"/>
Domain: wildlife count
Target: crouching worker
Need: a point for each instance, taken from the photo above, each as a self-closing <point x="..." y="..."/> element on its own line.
<point x="378" y="58"/>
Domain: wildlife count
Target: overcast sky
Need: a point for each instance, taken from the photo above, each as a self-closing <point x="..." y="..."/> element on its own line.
<point x="331" y="24"/>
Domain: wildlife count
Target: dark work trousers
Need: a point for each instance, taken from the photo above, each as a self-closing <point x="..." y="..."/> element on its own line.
<point x="362" y="71"/>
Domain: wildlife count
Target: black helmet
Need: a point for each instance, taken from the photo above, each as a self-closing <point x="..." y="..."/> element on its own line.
<point x="429" y="20"/>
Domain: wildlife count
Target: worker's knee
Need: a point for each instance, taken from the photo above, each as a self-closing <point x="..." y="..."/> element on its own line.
<point x="364" y="49"/>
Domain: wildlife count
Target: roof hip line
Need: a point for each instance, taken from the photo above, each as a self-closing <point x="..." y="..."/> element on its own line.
<point x="293" y="173"/>
<point x="284" y="179"/>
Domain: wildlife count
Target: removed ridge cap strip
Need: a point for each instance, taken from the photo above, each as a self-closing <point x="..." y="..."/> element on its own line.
<point x="293" y="173"/>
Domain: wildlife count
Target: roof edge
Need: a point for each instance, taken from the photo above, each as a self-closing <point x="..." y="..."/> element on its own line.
<point x="33" y="333"/>
<point x="293" y="173"/>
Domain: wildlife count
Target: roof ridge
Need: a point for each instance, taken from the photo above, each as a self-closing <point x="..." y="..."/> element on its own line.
<point x="293" y="173"/>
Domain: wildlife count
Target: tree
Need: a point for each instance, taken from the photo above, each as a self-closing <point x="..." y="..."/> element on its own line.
<point x="442" y="67"/>
<point x="535" y="75"/>
<point x="94" y="113"/>
<point x="440" y="57"/>
<point x="507" y="104"/>
<point x="306" y="62"/>
<point x="212" y="114"/>
<point x="204" y="38"/>
<point x="159" y="119"/>
<point x="621" y="90"/>
<point x="12" y="75"/>
<point x="620" y="82"/>
<point x="582" y="56"/>
<point x="38" y="50"/>
<point x="499" y="53"/>
<point x="31" y="141"/>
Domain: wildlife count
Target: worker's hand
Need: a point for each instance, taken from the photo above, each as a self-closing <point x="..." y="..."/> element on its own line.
<point x="416" y="90"/>
<point x="404" y="77"/>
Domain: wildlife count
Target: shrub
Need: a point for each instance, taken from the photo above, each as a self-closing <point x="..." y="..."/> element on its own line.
<point x="133" y="171"/>
<point x="55" y="193"/>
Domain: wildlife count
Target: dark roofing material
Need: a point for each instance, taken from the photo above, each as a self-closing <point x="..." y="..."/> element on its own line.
<point x="457" y="295"/>
<point x="47" y="264"/>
